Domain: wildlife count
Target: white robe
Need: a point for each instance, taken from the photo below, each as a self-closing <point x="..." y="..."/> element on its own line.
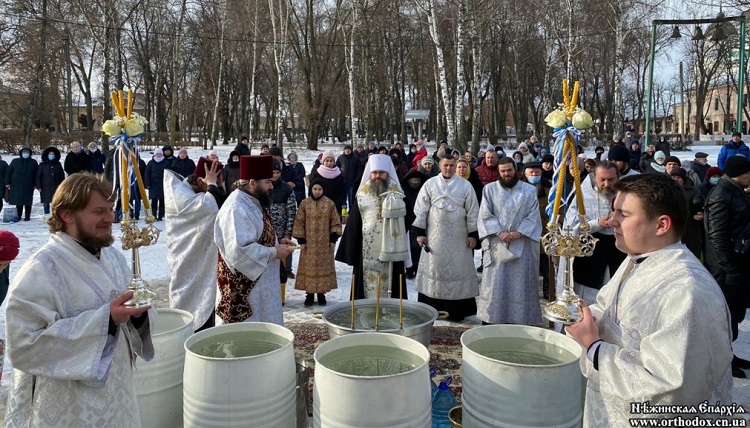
<point x="447" y="209"/>
<point x="668" y="341"/>
<point x="192" y="255"/>
<point x="509" y="291"/>
<point x="374" y="269"/>
<point x="67" y="370"/>
<point x="237" y="230"/>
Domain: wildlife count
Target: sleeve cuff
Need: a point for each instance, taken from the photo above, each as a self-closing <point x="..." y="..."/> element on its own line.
<point x="418" y="231"/>
<point x="593" y="353"/>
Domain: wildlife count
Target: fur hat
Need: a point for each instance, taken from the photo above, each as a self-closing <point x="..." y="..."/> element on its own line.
<point x="275" y="151"/>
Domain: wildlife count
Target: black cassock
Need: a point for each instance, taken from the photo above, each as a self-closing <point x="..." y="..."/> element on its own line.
<point x="350" y="252"/>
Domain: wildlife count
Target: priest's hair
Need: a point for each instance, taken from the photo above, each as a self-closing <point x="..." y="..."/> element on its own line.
<point x="74" y="194"/>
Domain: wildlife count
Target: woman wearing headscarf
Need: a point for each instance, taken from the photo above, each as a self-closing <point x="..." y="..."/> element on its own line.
<point x="334" y="187"/>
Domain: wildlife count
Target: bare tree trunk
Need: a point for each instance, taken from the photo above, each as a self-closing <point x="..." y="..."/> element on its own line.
<point x="279" y="50"/>
<point x="458" y="115"/>
<point x="476" y="54"/>
<point x="254" y="105"/>
<point x="176" y="76"/>
<point x="215" y="125"/>
<point x="351" y="69"/>
<point x="617" y="116"/>
<point x="36" y="101"/>
<point x="444" y="90"/>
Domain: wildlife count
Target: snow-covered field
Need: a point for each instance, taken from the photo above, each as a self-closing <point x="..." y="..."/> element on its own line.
<point x="33" y="234"/>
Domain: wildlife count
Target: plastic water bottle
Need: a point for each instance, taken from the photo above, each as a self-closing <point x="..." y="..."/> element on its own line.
<point x="442" y="403"/>
<point x="433" y="385"/>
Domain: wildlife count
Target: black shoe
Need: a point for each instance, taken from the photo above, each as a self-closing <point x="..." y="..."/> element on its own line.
<point x="290" y="275"/>
<point x="310" y="299"/>
<point x="480" y="269"/>
<point x="738" y="372"/>
<point x="321" y="299"/>
<point x="740" y="362"/>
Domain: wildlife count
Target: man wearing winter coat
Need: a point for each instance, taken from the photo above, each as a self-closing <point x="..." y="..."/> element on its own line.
<point x="351" y="169"/>
<point x="727" y="223"/>
<point x="3" y="170"/>
<point x="20" y="179"/>
<point x="733" y="148"/>
<point x="49" y="175"/>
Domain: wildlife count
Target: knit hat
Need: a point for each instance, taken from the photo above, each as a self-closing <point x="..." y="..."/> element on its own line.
<point x="548" y="158"/>
<point x="660" y="155"/>
<point x="275" y="151"/>
<point x="736" y="166"/>
<point x="679" y="172"/>
<point x="674" y="159"/>
<point x="158" y="151"/>
<point x="9" y="246"/>
<point x="395" y="151"/>
<point x="256" y="167"/>
<point x="619" y="153"/>
<point x="213" y="152"/>
<point x="276" y="165"/>
<point x="713" y="172"/>
<point x="599" y="149"/>
<point x="327" y="154"/>
<point x="426" y="160"/>
<point x="522" y="145"/>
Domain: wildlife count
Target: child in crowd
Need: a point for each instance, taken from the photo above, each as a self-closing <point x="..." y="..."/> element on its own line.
<point x="316" y="228"/>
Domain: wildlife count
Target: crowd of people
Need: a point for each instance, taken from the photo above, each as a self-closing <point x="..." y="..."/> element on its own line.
<point x="662" y="295"/>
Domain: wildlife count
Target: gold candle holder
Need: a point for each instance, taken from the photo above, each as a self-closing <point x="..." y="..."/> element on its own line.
<point x="133" y="237"/>
<point x="566" y="308"/>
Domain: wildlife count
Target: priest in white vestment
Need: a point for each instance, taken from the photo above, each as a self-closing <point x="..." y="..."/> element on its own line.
<point x="375" y="242"/>
<point x="446" y="224"/>
<point x="71" y="341"/>
<point x="511" y="229"/>
<point x="249" y="253"/>
<point x="659" y="331"/>
<point x="191" y="206"/>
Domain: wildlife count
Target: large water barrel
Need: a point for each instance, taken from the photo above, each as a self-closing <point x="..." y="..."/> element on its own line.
<point x="372" y="380"/>
<point x="240" y="375"/>
<point x="158" y="383"/>
<point x="520" y="376"/>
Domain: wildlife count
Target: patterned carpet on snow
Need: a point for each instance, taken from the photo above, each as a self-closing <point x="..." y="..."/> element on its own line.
<point x="445" y="350"/>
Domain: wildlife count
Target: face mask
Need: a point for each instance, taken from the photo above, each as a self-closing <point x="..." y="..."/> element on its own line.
<point x="413" y="150"/>
<point x="702" y="163"/>
<point x="51" y="156"/>
<point x="687" y="169"/>
<point x="713" y="180"/>
<point x="534" y="179"/>
<point x="25" y="155"/>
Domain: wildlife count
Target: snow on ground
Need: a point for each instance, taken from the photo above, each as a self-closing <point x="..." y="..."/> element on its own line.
<point x="33" y="234"/>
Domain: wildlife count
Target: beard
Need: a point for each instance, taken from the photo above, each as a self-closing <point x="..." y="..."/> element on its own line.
<point x="265" y="199"/>
<point x="91" y="240"/>
<point x="508" y="182"/>
<point x="378" y="187"/>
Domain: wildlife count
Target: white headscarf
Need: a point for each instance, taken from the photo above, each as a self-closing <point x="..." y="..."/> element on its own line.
<point x="380" y="163"/>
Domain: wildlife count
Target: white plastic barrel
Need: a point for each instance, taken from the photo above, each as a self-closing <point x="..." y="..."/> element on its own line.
<point x="246" y="391"/>
<point x="158" y="383"/>
<point x="503" y="394"/>
<point x="390" y="401"/>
